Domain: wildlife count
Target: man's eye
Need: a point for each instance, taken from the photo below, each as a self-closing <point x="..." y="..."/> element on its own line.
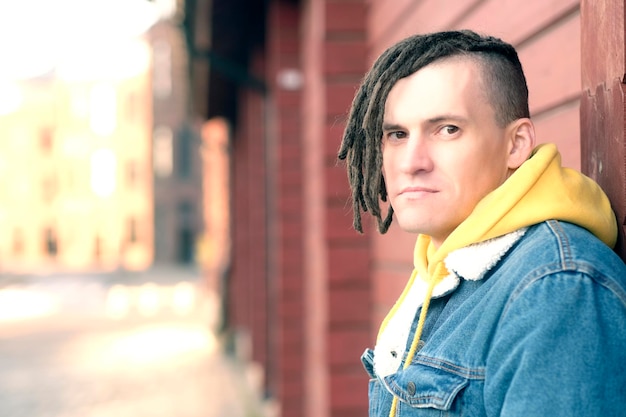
<point x="449" y="130"/>
<point x="396" y="135"/>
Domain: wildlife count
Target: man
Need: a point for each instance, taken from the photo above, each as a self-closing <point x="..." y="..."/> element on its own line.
<point x="517" y="304"/>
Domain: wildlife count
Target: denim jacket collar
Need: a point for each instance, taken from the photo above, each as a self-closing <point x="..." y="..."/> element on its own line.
<point x="470" y="263"/>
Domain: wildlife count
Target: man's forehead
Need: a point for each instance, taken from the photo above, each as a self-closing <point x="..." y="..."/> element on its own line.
<point x="445" y="74"/>
<point x="451" y="86"/>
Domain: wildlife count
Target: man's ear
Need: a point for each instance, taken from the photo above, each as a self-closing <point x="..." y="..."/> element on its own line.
<point x="521" y="142"/>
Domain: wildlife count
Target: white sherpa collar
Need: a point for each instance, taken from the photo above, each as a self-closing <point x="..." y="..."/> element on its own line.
<point x="474" y="261"/>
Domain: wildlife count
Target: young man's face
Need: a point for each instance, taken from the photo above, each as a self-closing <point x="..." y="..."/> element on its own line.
<point x="442" y="148"/>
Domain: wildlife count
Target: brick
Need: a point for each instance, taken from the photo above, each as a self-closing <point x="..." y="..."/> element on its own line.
<point x="349" y="306"/>
<point x="395" y="247"/>
<point x="286" y="99"/>
<point x="345" y="57"/>
<point x="290" y="202"/>
<point x="337" y="186"/>
<point x="291" y="309"/>
<point x="292" y="366"/>
<point x="339" y="97"/>
<point x="339" y="223"/>
<point x="333" y="134"/>
<point x="562" y="127"/>
<point x="348" y="389"/>
<point x="387" y="285"/>
<point x="349" y="265"/>
<point x="345" y="347"/>
<point x="346" y="16"/>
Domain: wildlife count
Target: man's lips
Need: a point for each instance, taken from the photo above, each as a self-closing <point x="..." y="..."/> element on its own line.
<point x="417" y="190"/>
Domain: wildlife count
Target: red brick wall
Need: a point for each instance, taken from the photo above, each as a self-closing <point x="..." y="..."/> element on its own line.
<point x="339" y="294"/>
<point x="316" y="372"/>
<point x="249" y="309"/>
<point x="286" y="222"/>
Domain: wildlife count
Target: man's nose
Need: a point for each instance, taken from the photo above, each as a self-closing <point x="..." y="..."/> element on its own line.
<point x="417" y="155"/>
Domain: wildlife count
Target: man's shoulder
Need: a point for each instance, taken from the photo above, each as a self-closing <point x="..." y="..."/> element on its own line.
<point x="565" y="246"/>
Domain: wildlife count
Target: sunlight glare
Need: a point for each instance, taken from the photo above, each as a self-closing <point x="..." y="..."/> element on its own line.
<point x="10" y="98"/>
<point x="117" y="302"/>
<point x="19" y="304"/>
<point x="183" y="298"/>
<point x="159" y="343"/>
<point x="149" y="300"/>
<point x="38" y="35"/>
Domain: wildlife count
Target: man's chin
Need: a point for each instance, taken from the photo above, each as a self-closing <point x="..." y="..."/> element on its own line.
<point x="413" y="227"/>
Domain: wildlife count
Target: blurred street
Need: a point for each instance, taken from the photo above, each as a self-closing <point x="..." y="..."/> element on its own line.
<point x="115" y="345"/>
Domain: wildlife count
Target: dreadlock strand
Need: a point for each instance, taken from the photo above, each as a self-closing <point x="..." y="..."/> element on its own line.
<point x="384" y="225"/>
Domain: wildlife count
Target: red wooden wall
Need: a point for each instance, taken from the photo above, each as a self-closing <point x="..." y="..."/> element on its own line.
<point x="603" y="103"/>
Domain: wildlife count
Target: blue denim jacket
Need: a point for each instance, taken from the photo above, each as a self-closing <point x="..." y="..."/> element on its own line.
<point x="542" y="334"/>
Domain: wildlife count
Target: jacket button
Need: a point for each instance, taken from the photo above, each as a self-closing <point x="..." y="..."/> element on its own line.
<point x="410" y="387"/>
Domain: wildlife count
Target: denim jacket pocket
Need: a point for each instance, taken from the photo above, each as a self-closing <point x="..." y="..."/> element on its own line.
<point x="425" y="386"/>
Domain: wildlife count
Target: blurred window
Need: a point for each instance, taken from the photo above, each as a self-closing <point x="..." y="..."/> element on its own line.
<point x="186" y="234"/>
<point x="50" y="242"/>
<point x="103" y="172"/>
<point x="132" y="111"/>
<point x="97" y="248"/>
<point x="49" y="188"/>
<point x="46" y="140"/>
<point x="162" y="81"/>
<point x="103" y="109"/>
<point x="186" y="245"/>
<point x="185" y="140"/>
<point x="18" y="242"/>
<point x="186" y="214"/>
<point x="132" y="230"/>
<point x="162" y="151"/>
<point x="132" y="173"/>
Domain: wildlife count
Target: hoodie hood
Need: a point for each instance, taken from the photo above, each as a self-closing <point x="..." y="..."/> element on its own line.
<point x="540" y="189"/>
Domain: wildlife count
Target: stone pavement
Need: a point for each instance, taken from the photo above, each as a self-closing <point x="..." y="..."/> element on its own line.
<point x="165" y="364"/>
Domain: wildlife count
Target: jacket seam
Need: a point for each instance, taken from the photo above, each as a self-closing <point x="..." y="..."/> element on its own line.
<point x="565" y="252"/>
<point x="447" y="366"/>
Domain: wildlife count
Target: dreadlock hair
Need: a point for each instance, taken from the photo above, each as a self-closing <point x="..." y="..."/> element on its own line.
<point x="502" y="78"/>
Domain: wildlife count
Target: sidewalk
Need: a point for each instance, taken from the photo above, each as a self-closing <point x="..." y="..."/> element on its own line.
<point x="78" y="361"/>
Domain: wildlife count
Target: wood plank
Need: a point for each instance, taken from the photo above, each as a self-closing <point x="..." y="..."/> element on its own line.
<point x="422" y="17"/>
<point x="552" y="65"/>
<point x="383" y="17"/>
<point x="562" y="127"/>
<point x="516" y="20"/>
<point x="603" y="102"/>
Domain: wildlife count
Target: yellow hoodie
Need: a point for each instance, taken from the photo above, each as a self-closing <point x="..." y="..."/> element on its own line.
<point x="541" y="189"/>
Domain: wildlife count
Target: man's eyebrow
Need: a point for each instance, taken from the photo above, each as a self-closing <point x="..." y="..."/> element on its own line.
<point x="387" y="126"/>
<point x="392" y="126"/>
<point x="446" y="117"/>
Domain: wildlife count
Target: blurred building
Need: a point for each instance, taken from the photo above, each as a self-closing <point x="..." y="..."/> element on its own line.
<point x="100" y="160"/>
<point x="75" y="173"/>
<point x="176" y="145"/>
<point x="302" y="286"/>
